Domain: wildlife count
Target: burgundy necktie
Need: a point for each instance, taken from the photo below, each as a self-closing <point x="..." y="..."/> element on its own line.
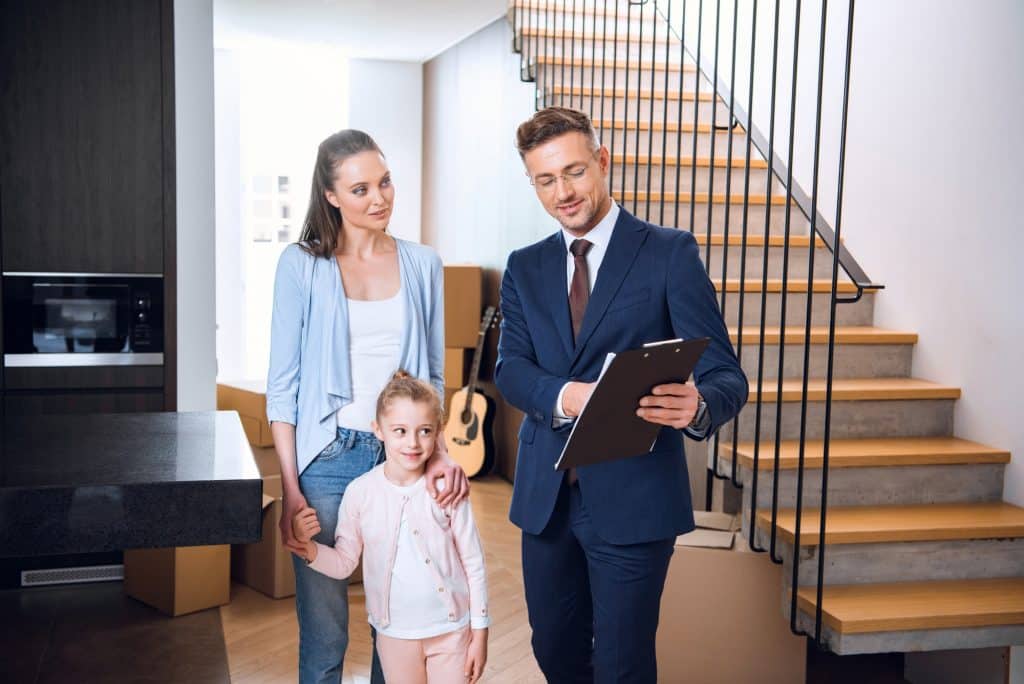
<point x="579" y="290"/>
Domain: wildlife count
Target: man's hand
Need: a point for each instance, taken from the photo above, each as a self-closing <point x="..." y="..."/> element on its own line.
<point x="305" y="525"/>
<point x="293" y="503"/>
<point x="575" y="396"/>
<point x="476" y="656"/>
<point x="456" y="484"/>
<point x="673" y="405"/>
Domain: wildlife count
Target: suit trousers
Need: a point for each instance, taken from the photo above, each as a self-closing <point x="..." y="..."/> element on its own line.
<point x="593" y="606"/>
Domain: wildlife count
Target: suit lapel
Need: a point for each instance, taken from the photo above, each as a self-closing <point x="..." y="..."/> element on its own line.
<point x="627" y="236"/>
<point x="556" y="288"/>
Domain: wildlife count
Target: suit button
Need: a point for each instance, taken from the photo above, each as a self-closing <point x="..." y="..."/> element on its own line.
<point x="427" y="561"/>
<point x="441" y="589"/>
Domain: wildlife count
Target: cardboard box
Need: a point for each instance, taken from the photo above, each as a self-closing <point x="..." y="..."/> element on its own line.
<point x="179" y="580"/>
<point x="721" y="613"/>
<point x="456" y="365"/>
<point x="266" y="566"/>
<point x="249" y="399"/>
<point x="463" y="305"/>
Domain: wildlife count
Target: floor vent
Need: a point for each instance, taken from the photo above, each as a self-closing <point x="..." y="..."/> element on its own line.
<point x="91" y="573"/>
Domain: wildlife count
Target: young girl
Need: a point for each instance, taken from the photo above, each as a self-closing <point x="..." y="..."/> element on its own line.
<point x="423" y="566"/>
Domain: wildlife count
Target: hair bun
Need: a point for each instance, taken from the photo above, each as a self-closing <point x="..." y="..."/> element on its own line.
<point x="401" y="374"/>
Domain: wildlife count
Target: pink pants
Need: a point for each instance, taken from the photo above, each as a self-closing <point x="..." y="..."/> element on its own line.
<point x="437" y="660"/>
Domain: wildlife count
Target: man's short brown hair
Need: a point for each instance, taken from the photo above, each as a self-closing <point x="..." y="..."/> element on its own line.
<point x="550" y="123"/>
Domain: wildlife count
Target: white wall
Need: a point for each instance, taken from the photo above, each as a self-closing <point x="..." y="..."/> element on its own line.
<point x="478" y="204"/>
<point x="386" y="100"/>
<point x="194" y="139"/>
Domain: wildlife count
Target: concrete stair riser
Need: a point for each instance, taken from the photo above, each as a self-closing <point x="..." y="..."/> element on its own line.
<point x="874" y="486"/>
<point x="626" y="108"/>
<point x="859" y="313"/>
<point x="755" y="261"/>
<point x="904" y="561"/>
<point x="651" y="210"/>
<point x="583" y="48"/>
<point x="640" y="76"/>
<point x="851" y="419"/>
<point x="851" y="360"/>
<point x="624" y="140"/>
<point x="636" y="175"/>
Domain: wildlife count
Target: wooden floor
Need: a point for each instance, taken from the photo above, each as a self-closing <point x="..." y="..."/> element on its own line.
<point x="261" y="633"/>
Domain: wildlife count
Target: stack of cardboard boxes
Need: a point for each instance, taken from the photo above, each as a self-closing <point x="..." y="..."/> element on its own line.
<point x="721" y="615"/>
<point x="463" y="308"/>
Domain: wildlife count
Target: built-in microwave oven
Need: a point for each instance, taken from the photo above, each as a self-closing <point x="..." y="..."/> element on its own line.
<point x="82" y="319"/>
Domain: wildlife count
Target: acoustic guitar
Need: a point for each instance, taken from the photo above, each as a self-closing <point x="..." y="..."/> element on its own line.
<point x="469" y="431"/>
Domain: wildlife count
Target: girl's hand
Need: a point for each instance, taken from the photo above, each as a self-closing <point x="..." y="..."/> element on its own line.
<point x="305" y="525"/>
<point x="292" y="504"/>
<point x="476" y="657"/>
<point x="456" y="484"/>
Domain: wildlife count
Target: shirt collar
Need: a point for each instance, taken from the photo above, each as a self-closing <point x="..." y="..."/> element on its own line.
<point x="601" y="234"/>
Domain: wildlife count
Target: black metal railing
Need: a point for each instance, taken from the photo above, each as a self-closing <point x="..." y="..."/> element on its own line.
<point x="553" y="41"/>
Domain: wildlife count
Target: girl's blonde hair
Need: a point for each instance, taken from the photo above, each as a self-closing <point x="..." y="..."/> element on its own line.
<point x="402" y="385"/>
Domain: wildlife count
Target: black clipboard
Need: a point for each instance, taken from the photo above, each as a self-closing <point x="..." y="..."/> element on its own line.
<point x="608" y="427"/>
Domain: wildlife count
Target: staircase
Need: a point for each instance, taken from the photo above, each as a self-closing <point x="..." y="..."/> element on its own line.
<point x="920" y="552"/>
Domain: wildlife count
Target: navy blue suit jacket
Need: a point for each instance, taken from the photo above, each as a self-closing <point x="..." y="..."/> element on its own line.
<point x="651" y="286"/>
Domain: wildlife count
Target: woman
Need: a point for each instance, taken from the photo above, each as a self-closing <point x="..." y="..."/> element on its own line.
<point x="351" y="304"/>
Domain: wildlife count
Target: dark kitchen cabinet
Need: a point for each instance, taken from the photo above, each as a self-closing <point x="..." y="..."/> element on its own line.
<point x="86" y="135"/>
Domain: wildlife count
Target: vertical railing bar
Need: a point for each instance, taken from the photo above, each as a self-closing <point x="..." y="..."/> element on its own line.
<point x="832" y="323"/>
<point x="593" y="56"/>
<point x="711" y="183"/>
<point x="743" y="238"/>
<point x="561" y="67"/>
<point x="552" y="39"/>
<point x="679" y="116"/>
<point x="764" y="307"/>
<point x="810" y="277"/>
<point x="714" y="127"/>
<point x="572" y="62"/>
<point x="728" y="196"/>
<point x="604" y="67"/>
<point x="615" y="78"/>
<point x="650" y="115"/>
<point x="636" y="141"/>
<point x="696" y="127"/>
<point x="625" y="104"/>
<point x="664" y="113"/>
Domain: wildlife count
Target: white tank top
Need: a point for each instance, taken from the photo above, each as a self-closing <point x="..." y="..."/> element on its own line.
<point x="375" y="350"/>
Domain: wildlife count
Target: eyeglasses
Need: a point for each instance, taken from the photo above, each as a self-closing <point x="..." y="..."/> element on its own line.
<point x="547" y="183"/>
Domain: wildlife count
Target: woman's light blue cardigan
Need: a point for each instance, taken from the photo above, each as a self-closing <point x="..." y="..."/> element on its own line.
<point x="310" y="375"/>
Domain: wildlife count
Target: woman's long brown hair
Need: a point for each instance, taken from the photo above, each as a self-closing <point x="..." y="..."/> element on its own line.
<point x="321" y="229"/>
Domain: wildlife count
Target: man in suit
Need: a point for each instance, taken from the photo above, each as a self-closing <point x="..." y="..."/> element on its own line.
<point x="597" y="540"/>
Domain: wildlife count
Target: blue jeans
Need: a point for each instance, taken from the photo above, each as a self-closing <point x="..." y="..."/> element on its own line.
<point x="322" y="602"/>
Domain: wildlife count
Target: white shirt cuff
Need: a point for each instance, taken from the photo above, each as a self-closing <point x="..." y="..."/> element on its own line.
<point x="558" y="417"/>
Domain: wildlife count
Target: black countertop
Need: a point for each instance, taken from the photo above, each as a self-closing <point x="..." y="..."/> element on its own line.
<point x="103" y="482"/>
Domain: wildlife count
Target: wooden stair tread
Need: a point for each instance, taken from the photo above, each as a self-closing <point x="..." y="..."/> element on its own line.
<point x="633" y="94"/>
<point x="863" y="608"/>
<point x="702" y="198"/>
<point x="671" y="126"/>
<point x="876" y="452"/>
<point x="857" y="389"/>
<point x="718" y="239"/>
<point x="609" y="63"/>
<point x="656" y="160"/>
<point x="854" y="334"/>
<point x="917" y="522"/>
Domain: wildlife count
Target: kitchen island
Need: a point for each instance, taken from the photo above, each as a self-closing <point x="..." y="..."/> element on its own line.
<point x="102" y="482"/>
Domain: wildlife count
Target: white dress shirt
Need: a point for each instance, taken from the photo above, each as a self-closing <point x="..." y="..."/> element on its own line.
<point x="599" y="236"/>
